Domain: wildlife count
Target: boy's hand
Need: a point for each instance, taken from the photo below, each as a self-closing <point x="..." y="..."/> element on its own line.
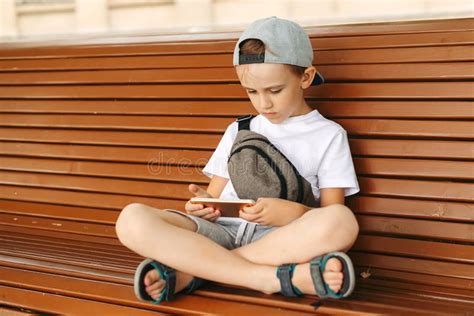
<point x="208" y="213"/>
<point x="273" y="212"/>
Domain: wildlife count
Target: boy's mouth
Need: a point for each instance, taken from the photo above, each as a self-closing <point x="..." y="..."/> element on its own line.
<point x="269" y="114"/>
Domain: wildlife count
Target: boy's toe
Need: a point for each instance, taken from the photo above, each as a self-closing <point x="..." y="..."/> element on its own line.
<point x="151" y="277"/>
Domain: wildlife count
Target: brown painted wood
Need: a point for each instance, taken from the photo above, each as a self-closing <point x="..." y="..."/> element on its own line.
<point x="412" y="90"/>
<point x="232" y="109"/>
<point x="332" y="73"/>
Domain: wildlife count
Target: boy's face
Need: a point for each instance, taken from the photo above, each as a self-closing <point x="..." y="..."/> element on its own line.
<point x="274" y="90"/>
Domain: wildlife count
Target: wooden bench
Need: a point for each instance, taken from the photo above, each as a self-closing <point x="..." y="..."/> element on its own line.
<point x="89" y="126"/>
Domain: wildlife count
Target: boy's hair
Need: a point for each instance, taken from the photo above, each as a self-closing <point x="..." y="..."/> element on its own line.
<point x="257" y="47"/>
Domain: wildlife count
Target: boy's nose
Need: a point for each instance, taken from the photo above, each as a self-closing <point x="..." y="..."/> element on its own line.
<point x="265" y="103"/>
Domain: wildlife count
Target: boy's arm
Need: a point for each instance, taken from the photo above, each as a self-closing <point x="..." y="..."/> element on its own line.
<point x="216" y="186"/>
<point x="331" y="196"/>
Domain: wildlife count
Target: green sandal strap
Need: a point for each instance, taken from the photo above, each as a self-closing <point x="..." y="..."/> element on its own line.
<point x="285" y="274"/>
<point x="194" y="285"/>
<point x="167" y="274"/>
<point x="316" y="267"/>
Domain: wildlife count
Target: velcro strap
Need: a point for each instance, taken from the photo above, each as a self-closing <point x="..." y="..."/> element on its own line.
<point x="170" y="283"/>
<point x="285" y="273"/>
<point x="316" y="275"/>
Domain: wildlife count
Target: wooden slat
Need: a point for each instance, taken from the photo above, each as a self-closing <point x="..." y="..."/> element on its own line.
<point x="369" y="273"/>
<point x="369" y="127"/>
<point x="452" y="150"/>
<point x="59" y="241"/>
<point x="437" y="190"/>
<point x="152" y="139"/>
<point x="423" y="209"/>
<point x="425" y="295"/>
<point x="52" y="303"/>
<point x="72" y="256"/>
<point x="159" y="169"/>
<point x="74" y="226"/>
<point x="422" y="266"/>
<point x="414" y="248"/>
<point x="101" y="185"/>
<point x="438" y="209"/>
<point x="83" y="199"/>
<point x="16" y="311"/>
<point x="412" y="148"/>
<point x="66" y="236"/>
<point x="51" y="211"/>
<point x="442" y="190"/>
<point x="95" y="251"/>
<point x="416" y="228"/>
<point x="154" y="169"/>
<point x="396" y="109"/>
<point x="233" y="109"/>
<point x="106" y="153"/>
<point x="433" y="303"/>
<point x="459" y="53"/>
<point x="179" y="108"/>
<point x="413" y="90"/>
<point x="414" y="168"/>
<point x="332" y="73"/>
<point x="165" y="123"/>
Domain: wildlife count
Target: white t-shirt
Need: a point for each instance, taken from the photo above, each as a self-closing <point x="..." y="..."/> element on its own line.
<point x="316" y="146"/>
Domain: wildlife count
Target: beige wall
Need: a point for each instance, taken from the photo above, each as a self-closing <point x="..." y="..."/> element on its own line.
<point x="117" y="16"/>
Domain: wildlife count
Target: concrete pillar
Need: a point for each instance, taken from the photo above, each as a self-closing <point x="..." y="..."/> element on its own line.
<point x="8" y="26"/>
<point x="91" y="16"/>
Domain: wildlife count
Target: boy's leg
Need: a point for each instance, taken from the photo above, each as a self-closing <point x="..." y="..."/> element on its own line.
<point x="317" y="232"/>
<point x="172" y="240"/>
<point x="311" y="241"/>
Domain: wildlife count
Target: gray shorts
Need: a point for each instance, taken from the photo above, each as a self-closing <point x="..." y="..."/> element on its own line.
<point x="228" y="232"/>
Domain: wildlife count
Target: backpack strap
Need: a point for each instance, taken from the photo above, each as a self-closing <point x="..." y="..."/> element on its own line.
<point x="244" y="122"/>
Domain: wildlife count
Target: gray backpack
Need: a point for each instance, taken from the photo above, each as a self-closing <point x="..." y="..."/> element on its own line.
<point x="258" y="169"/>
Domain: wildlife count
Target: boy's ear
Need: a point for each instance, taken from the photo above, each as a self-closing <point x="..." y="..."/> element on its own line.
<point x="308" y="77"/>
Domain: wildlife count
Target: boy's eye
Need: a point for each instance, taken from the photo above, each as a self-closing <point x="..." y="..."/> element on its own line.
<point x="274" y="91"/>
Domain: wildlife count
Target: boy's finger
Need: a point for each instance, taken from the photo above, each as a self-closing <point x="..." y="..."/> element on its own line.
<point x="254" y="209"/>
<point x="211" y="216"/>
<point x="249" y="217"/>
<point x="198" y="191"/>
<point x="203" y="212"/>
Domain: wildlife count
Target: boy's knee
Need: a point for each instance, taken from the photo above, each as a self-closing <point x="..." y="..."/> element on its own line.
<point x="338" y="219"/>
<point x="128" y="220"/>
<point x="344" y="220"/>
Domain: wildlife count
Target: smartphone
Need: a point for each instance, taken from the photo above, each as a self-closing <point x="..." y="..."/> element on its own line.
<point x="228" y="208"/>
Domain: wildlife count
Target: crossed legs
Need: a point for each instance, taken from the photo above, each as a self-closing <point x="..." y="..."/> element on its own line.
<point x="171" y="239"/>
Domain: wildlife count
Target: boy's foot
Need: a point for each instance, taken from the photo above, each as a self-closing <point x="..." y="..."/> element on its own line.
<point x="154" y="285"/>
<point x="332" y="275"/>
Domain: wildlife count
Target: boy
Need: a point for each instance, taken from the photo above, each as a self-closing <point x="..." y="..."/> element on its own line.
<point x="271" y="246"/>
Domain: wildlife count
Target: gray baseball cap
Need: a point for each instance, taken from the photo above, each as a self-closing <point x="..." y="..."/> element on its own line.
<point x="285" y="43"/>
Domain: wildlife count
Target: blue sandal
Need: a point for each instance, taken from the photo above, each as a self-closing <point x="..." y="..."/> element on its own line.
<point x="167" y="274"/>
<point x="317" y="266"/>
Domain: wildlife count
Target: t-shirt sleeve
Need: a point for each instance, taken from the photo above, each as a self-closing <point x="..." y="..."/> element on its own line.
<point x="217" y="164"/>
<point x="337" y="168"/>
